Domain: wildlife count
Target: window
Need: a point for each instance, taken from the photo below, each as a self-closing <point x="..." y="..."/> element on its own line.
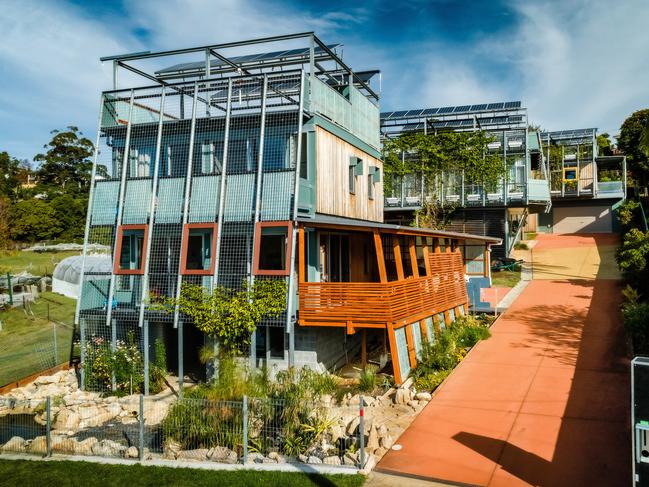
<point x="304" y="158"/>
<point x="198" y="249"/>
<point x="355" y="169"/>
<point x="130" y="249"/>
<point x="273" y="248"/>
<point x="276" y="341"/>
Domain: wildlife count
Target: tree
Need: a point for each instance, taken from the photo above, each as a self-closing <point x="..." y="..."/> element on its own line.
<point x="67" y="164"/>
<point x="33" y="220"/>
<point x="634" y="142"/>
<point x="604" y="144"/>
<point x="13" y="173"/>
<point x="70" y="212"/>
<point x="228" y="315"/>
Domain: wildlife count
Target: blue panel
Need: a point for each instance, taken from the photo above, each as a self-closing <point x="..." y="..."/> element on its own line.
<point x="430" y="111"/>
<point x="477" y="108"/>
<point x="239" y="197"/>
<point x="402" y="350"/>
<point x="495" y="106"/>
<point x="463" y="108"/>
<point x="430" y="328"/>
<point x="276" y="195"/>
<point x="104" y="203"/>
<point x="137" y="201"/>
<point x="416" y="336"/>
<point x="170" y="200"/>
<point x="513" y="104"/>
<point x="445" y="110"/>
<point x="451" y="315"/>
<point x="442" y="321"/>
<point x="204" y="201"/>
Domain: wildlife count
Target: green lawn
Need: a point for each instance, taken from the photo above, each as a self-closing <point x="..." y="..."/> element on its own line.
<point x="37" y="263"/>
<point x="26" y="341"/>
<point x="505" y="278"/>
<point x="37" y="473"/>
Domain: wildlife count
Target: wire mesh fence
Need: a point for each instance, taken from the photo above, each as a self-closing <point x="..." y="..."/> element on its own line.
<point x="168" y="428"/>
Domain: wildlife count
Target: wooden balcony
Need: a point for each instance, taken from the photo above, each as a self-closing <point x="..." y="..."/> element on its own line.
<point x="377" y="305"/>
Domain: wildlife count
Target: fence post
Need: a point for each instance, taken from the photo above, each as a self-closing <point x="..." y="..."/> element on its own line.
<point x="141" y="448"/>
<point x="361" y="433"/>
<point x="48" y="426"/>
<point x="245" y="429"/>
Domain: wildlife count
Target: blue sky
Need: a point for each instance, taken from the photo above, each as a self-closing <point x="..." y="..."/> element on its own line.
<point x="572" y="63"/>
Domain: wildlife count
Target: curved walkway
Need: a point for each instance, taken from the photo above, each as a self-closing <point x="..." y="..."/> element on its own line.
<point x="544" y="401"/>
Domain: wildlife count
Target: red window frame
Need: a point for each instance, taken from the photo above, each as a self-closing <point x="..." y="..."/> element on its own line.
<point x="183" y="249"/>
<point x="289" y="248"/>
<point x="118" y="248"/>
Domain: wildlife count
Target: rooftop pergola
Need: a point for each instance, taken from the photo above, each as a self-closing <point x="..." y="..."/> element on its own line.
<point x="217" y="61"/>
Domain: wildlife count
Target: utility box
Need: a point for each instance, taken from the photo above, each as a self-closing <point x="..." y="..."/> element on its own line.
<point x="640" y="420"/>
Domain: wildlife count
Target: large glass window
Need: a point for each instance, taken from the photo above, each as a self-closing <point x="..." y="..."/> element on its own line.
<point x="198" y="249"/>
<point x="130" y="249"/>
<point x="272" y="248"/>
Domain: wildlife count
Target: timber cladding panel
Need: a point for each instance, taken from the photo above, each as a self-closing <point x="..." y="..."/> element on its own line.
<point x="333" y="195"/>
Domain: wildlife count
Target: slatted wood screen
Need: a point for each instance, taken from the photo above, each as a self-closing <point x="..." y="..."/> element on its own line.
<point x="398" y="302"/>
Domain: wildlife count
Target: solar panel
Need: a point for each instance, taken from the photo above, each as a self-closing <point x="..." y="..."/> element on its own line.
<point x="513" y="104"/>
<point x="414" y="113"/>
<point x="445" y="110"/>
<point x="475" y="108"/>
<point x="400" y="113"/>
<point x="466" y="122"/>
<point x="495" y="106"/>
<point x="430" y="111"/>
<point x="386" y="115"/>
<point x="462" y="108"/>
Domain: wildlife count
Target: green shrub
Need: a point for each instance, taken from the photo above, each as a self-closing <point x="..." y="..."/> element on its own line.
<point x="521" y="246"/>
<point x="367" y="381"/>
<point x="636" y="323"/>
<point x="158" y="369"/>
<point x="431" y="380"/>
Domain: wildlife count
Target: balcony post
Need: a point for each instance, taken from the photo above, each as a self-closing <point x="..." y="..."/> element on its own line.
<point x="380" y="259"/>
<point x="426" y="256"/>
<point x="396" y="246"/>
<point x="413" y="256"/>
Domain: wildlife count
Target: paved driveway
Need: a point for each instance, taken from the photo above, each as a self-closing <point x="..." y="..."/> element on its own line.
<point x="544" y="401"/>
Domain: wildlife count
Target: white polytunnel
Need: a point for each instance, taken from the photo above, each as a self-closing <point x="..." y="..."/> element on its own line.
<point x="65" y="279"/>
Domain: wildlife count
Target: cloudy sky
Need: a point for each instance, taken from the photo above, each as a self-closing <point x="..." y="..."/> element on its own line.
<point x="573" y="63"/>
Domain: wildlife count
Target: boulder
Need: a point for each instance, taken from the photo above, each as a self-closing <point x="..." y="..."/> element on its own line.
<point x="85" y="447"/>
<point x="423" y="396"/>
<point x="38" y="445"/>
<point x="350" y="459"/>
<point x="131" y="452"/>
<point x="199" y="454"/>
<point x="277" y="457"/>
<point x="373" y="439"/>
<point x="63" y="444"/>
<point x="108" y="448"/>
<point x="67" y="419"/>
<point x="379" y="452"/>
<point x="170" y="449"/>
<point x="314" y="460"/>
<point x="331" y="460"/>
<point x="222" y="454"/>
<point x="255" y="457"/>
<point x="15" y="445"/>
<point x="402" y="396"/>
<point x="387" y="442"/>
<point x="336" y="432"/>
<point x="351" y="427"/>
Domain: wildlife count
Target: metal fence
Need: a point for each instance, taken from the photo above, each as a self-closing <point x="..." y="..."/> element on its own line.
<point x="250" y="431"/>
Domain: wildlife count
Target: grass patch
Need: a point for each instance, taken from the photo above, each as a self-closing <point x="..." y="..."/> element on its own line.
<point x="23" y="334"/>
<point x="505" y="278"/>
<point x="37" y="263"/>
<point x="27" y="473"/>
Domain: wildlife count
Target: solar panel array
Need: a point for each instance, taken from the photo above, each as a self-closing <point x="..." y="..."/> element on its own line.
<point x="569" y="134"/>
<point x="431" y="112"/>
<point x="246" y="59"/>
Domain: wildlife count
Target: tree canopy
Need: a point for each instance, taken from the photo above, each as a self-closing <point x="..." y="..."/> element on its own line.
<point x="634" y="142"/>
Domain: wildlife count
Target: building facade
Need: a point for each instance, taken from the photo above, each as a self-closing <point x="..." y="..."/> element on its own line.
<point x="246" y="166"/>
<point x="501" y="210"/>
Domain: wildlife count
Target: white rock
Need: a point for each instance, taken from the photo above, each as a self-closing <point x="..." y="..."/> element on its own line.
<point x="314" y="460"/>
<point x="331" y="460"/>
<point x="222" y="454"/>
<point x="255" y="457"/>
<point x="63" y="444"/>
<point x="85" y="447"/>
<point x="198" y="454"/>
<point x="38" y="445"/>
<point x="423" y="396"/>
<point x="373" y="439"/>
<point x="108" y="448"/>
<point x="16" y="445"/>
<point x="277" y="457"/>
<point x="351" y="427"/>
<point x="66" y="419"/>
<point x="131" y="452"/>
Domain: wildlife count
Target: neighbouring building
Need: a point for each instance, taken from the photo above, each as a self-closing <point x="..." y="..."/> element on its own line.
<point x="230" y="166"/>
<point x="585" y="187"/>
<point x="499" y="211"/>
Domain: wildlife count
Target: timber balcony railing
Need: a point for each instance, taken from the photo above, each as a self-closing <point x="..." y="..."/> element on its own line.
<point x="377" y="304"/>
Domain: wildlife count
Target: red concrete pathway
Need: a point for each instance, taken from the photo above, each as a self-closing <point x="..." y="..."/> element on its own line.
<point x="544" y="401"/>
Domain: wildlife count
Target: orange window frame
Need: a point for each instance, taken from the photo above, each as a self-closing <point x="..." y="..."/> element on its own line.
<point x="118" y="247"/>
<point x="184" y="248"/>
<point x="289" y="247"/>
